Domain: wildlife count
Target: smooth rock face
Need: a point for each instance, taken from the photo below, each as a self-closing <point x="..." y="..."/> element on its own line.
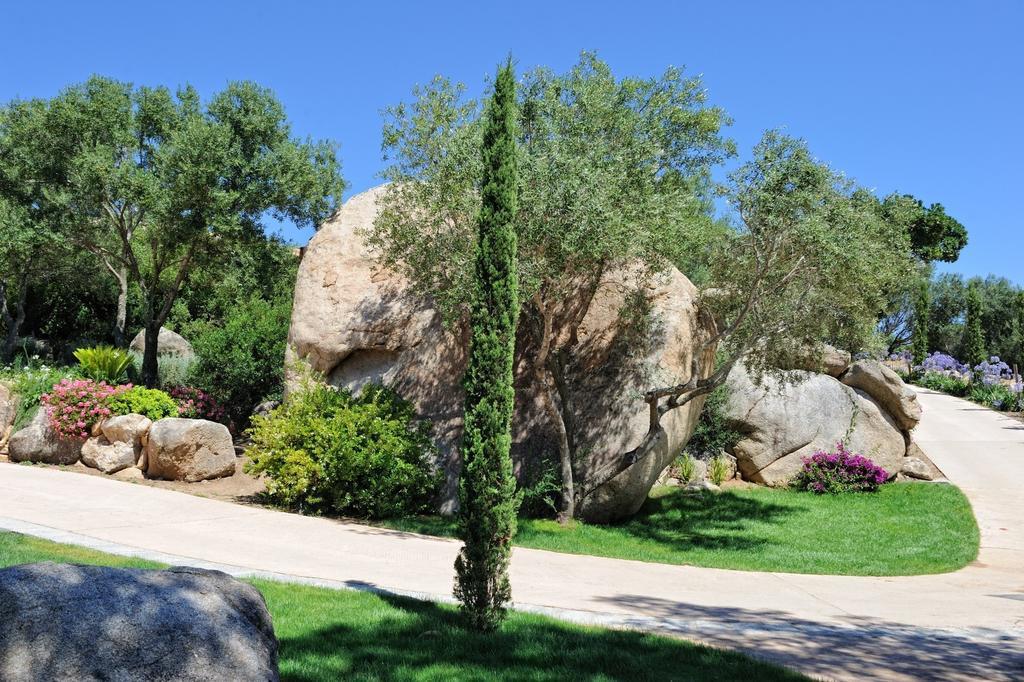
<point x="824" y="359"/>
<point x="66" y="622"/>
<point x="168" y="343"/>
<point x="888" y="390"/>
<point x="189" y="450"/>
<point x="916" y="468"/>
<point x="783" y="421"/>
<point x="132" y="429"/>
<point x="355" y="323"/>
<point x="8" y="408"/>
<point x="37" y="442"/>
<point x="100" y="453"/>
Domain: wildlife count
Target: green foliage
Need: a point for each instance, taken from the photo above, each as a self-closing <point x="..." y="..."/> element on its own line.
<point x="718" y="469"/>
<point x="325" y="451"/>
<point x="172" y="370"/>
<point x="611" y="171"/>
<point x="997" y="396"/>
<point x="487" y="488"/>
<point x="240" y="359"/>
<point x="168" y="184"/>
<point x="539" y="493"/>
<point x="149" y="402"/>
<point x="686" y="467"/>
<point x="922" y="309"/>
<point x="974" y="350"/>
<point x="713" y="433"/>
<point x="29" y="382"/>
<point x="945" y="383"/>
<point x="103" y="363"/>
<point x="934" y="235"/>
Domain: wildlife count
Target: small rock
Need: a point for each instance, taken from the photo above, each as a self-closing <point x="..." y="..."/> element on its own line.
<point x="265" y="408"/>
<point x="99" y="453"/>
<point x="916" y="468"/>
<point x="698" y="486"/>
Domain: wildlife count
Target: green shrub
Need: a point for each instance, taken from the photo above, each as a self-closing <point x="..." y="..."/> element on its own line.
<point x="938" y="381"/>
<point x="29" y="383"/>
<point x="103" y="363"/>
<point x="324" y="450"/>
<point x="540" y="490"/>
<point x="997" y="396"/>
<point x="240" y="362"/>
<point x="713" y="433"/>
<point x="149" y="402"/>
<point x="171" y="370"/>
<point x="718" y="469"/>
<point x="686" y="467"/>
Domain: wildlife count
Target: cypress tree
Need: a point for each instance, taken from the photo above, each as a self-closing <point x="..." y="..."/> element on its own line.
<point x="974" y="335"/>
<point x="922" y="310"/>
<point x="487" y="494"/>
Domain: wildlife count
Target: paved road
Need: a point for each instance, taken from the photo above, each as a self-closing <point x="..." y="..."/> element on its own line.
<point x="963" y="625"/>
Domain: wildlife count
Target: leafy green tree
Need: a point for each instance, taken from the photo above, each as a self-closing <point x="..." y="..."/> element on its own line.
<point x="614" y="172"/>
<point x="487" y="488"/>
<point x="157" y="185"/>
<point x="974" y="333"/>
<point x="934" y="235"/>
<point x="922" y="309"/>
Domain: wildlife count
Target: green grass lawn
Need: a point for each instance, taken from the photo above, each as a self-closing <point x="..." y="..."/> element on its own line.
<point x="903" y="529"/>
<point x="332" y="635"/>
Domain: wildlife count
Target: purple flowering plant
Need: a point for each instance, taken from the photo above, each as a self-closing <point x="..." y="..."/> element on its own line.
<point x="195" y="403"/>
<point x="993" y="371"/>
<point x="943" y="364"/>
<point x="841" y="471"/>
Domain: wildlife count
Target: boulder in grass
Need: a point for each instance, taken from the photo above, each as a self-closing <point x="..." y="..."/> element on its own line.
<point x="189" y="450"/>
<point x="66" y="622"/>
<point x="38" y="442"/>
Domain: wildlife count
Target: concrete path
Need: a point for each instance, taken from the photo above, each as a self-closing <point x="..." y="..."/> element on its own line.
<point x="963" y="625"/>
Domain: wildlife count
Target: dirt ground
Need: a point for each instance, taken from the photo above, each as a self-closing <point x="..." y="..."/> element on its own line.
<point x="241" y="487"/>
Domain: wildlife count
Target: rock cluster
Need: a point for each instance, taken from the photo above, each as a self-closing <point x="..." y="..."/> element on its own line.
<point x="355" y="322"/>
<point x="786" y="417"/>
<point x="67" y="622"/>
<point x="173" y="449"/>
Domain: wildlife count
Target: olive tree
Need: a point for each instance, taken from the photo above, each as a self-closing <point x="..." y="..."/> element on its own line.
<point x="612" y="171"/>
<point x="156" y="184"/>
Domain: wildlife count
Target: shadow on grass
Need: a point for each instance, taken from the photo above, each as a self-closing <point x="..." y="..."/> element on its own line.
<point x="421" y="640"/>
<point x="705" y="520"/>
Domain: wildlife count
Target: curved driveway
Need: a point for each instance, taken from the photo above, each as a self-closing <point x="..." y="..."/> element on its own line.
<point x="963" y="625"/>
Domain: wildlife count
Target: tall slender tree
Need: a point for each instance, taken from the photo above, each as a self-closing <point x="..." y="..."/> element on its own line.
<point x="488" y="500"/>
<point x="922" y="309"/>
<point x="974" y="334"/>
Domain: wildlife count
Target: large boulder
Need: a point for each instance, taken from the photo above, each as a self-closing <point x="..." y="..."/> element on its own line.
<point x="785" y="418"/>
<point x="8" y="408"/>
<point x="356" y="322"/>
<point x="168" y="343"/>
<point x="100" y="453"/>
<point x="189" y="450"/>
<point x="821" y="358"/>
<point x="37" y="442"/>
<point x="68" y="622"/>
<point x="128" y="428"/>
<point x="888" y="390"/>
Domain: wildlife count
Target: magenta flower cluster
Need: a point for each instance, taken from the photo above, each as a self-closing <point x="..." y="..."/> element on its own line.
<point x="841" y="471"/>
<point x="74" y="405"/>
<point x="194" y="403"/>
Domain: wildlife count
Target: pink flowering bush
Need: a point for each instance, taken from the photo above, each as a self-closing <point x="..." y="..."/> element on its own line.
<point x="194" y="403"/>
<point x="841" y="471"/>
<point x="74" y="405"/>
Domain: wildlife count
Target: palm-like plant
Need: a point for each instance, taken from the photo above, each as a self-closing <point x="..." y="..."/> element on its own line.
<point x="103" y="363"/>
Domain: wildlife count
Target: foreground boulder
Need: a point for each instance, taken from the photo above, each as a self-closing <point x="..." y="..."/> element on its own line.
<point x="100" y="453"/>
<point x="787" y="418"/>
<point x="37" y="442"/>
<point x="8" y="408"/>
<point x="128" y="428"/>
<point x="356" y="323"/>
<point x="65" y="622"/>
<point x="888" y="390"/>
<point x="189" y="450"/>
<point x="168" y="343"/>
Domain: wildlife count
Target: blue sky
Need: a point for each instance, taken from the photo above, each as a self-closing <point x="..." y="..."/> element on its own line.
<point x="920" y="97"/>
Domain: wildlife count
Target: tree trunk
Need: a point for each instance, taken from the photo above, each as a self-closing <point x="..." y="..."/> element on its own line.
<point x="119" y="331"/>
<point x="150" y="368"/>
<point x="567" y="510"/>
<point x="13" y="322"/>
